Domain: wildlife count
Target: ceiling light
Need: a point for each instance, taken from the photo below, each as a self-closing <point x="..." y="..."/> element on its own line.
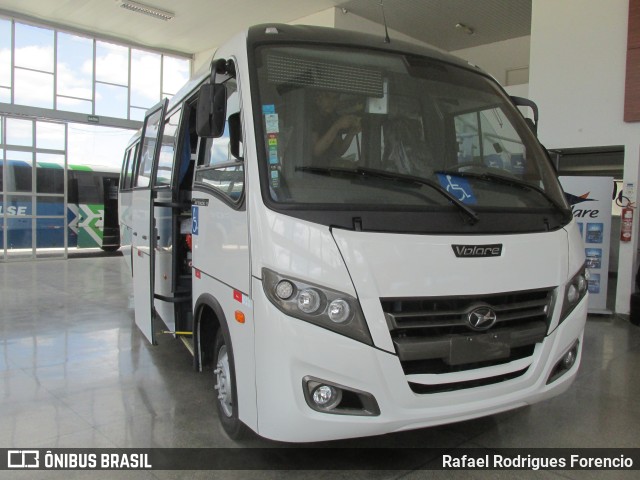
<point x="465" y="28"/>
<point x="147" y="10"/>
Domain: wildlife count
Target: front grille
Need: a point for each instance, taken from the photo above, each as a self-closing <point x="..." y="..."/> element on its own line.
<point x="432" y="335"/>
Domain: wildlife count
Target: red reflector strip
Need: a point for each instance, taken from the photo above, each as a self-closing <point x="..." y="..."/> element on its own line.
<point x="198" y="274"/>
<point x="237" y="296"/>
<point x="139" y="253"/>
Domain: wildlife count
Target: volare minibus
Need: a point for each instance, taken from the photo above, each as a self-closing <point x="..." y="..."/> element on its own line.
<point x="356" y="237"/>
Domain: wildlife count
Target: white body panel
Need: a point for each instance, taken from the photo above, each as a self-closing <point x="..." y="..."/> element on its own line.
<point x="221" y="247"/>
<point x="391" y="265"/>
<point x="395" y="265"/>
<point x="126" y="231"/>
<point x="141" y="262"/>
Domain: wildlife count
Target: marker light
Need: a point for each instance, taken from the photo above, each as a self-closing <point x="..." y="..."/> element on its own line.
<point x="309" y="301"/>
<point x="284" y="289"/>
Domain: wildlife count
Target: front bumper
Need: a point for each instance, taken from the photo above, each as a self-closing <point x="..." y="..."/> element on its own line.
<point x="291" y="350"/>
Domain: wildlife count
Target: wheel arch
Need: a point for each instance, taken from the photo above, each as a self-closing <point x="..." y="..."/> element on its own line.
<point x="208" y="317"/>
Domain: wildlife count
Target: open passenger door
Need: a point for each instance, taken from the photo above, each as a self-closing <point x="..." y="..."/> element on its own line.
<point x="144" y="236"/>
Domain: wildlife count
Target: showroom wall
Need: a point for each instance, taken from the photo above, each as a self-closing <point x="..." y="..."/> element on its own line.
<point x="507" y="61"/>
<point x="577" y="77"/>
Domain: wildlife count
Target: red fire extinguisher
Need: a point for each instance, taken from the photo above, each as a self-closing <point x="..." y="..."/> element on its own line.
<point x="626" y="225"/>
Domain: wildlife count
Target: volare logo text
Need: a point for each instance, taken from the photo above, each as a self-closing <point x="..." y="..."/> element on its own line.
<point x="584" y="213"/>
<point x="472" y="251"/>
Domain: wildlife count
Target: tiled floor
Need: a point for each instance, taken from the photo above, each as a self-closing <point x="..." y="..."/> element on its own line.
<point x="75" y="372"/>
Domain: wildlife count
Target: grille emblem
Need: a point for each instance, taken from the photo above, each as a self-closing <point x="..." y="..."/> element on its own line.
<point x="481" y="318"/>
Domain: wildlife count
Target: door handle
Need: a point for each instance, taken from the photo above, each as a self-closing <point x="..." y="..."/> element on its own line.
<point x="144" y="237"/>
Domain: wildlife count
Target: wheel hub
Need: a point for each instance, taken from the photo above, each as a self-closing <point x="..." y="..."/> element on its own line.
<point x="223" y="381"/>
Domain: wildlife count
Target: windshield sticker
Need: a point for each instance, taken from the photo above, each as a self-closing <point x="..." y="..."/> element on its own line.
<point x="272" y="142"/>
<point x="268" y="109"/>
<point x="271" y="121"/>
<point x="275" y="177"/>
<point x="459" y="187"/>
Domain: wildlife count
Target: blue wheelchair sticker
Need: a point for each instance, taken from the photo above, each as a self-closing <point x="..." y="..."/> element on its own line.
<point x="194" y="219"/>
<point x="459" y="187"/>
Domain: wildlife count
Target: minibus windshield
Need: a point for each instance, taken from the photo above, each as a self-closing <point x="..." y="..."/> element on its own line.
<point x="327" y="111"/>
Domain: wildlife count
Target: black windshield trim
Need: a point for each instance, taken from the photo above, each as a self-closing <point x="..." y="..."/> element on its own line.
<point x="429" y="222"/>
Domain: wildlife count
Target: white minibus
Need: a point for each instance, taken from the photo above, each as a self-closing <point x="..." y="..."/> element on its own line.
<point x="355" y="237"/>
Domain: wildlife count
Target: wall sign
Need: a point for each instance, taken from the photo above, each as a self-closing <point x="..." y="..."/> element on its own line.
<point x="590" y="200"/>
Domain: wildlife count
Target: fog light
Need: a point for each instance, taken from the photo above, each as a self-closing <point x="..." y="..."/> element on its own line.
<point x="331" y="398"/>
<point x="566" y="362"/>
<point x="570" y="358"/>
<point x="326" y="396"/>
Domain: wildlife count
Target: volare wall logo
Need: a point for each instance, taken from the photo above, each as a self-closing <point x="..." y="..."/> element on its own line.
<point x="582" y="212"/>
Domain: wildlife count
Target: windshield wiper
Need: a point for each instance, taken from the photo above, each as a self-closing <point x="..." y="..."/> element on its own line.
<point x="371" y="172"/>
<point x="514" y="182"/>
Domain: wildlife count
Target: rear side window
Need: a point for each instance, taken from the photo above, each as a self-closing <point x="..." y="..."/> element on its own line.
<point x="128" y="167"/>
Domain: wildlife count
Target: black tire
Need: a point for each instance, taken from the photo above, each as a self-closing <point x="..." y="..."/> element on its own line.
<point x="225" y="388"/>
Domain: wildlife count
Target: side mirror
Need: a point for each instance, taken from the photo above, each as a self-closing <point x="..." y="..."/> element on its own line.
<point x="235" y="135"/>
<point x="525" y="102"/>
<point x="212" y="110"/>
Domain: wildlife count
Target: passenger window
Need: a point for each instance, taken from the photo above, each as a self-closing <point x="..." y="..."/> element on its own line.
<point x="131" y="167"/>
<point x="220" y="169"/>
<point x="125" y="168"/>
<point x="128" y="168"/>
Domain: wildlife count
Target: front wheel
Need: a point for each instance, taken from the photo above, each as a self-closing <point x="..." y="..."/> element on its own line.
<point x="226" y="403"/>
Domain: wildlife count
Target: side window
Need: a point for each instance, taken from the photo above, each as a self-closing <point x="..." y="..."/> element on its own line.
<point x="125" y="166"/>
<point x="131" y="167"/>
<point x="128" y="167"/>
<point x="167" y="149"/>
<point x="219" y="169"/>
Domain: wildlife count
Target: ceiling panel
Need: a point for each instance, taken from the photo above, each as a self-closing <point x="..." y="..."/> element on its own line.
<point x="434" y="21"/>
<point x="203" y="24"/>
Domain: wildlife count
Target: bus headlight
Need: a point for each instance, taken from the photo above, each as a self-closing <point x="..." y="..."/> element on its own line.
<point x="309" y="301"/>
<point x="325" y="307"/>
<point x="574" y="292"/>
